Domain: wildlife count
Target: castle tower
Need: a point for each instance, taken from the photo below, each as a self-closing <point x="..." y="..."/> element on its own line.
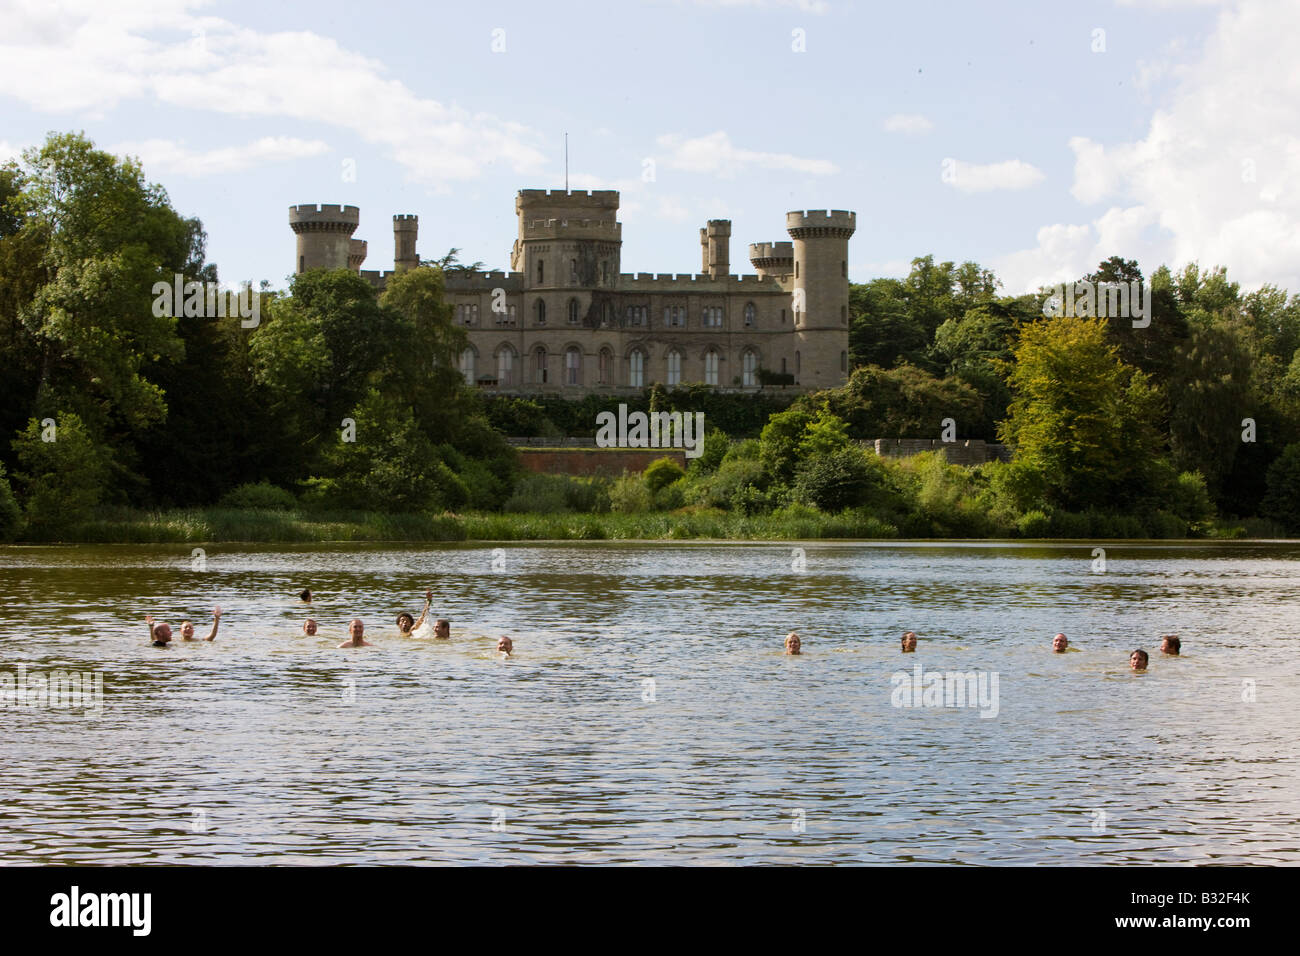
<point x="356" y="254"/>
<point x="568" y="240"/>
<point x="775" y="259"/>
<point x="324" y="235"/>
<point x="405" y="230"/>
<point x="716" y="239"/>
<point x="821" y="294"/>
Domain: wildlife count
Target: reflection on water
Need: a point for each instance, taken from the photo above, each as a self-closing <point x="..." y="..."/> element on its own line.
<point x="649" y="714"/>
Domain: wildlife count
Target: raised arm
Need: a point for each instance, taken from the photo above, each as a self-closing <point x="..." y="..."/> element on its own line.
<point x="428" y="599"/>
<point x="148" y="619"/>
<point x="216" y="622"/>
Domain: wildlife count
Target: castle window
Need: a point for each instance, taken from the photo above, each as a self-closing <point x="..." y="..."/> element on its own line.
<point x="679" y="316"/>
<point x="797" y="365"/>
<point x="783" y="365"/>
<point x="667" y="316"/>
<point x="844" y="315"/>
<point x="674" y="367"/>
<point x="572" y="367"/>
<point x="783" y="316"/>
<point x="512" y="315"/>
<point x="541" y="271"/>
<point x="796" y="268"/>
<point x="573" y="270"/>
<point x="467" y="366"/>
<point x="750" y="313"/>
<point x="541" y="312"/>
<point x="539" y="365"/>
<point x="302" y="263"/>
<point x="636" y="369"/>
<point x="573" y="311"/>
<point x="712" y="317"/>
<point x="844" y="268"/>
<point x="506" y="366"/>
<point x="606" y="368"/>
<point x="710" y="368"/>
<point x="604" y="270"/>
<point x="749" y="369"/>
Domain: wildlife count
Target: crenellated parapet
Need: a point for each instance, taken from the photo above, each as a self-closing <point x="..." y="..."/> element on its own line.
<point x="821" y="224"/>
<point x="310" y="217"/>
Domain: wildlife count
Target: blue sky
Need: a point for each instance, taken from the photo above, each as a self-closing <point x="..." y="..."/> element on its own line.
<point x="1011" y="133"/>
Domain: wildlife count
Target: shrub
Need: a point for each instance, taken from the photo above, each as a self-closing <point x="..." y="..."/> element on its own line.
<point x="629" y="495"/>
<point x="539" y="494"/>
<point x="262" y="496"/>
<point x="1282" y="499"/>
<point x="661" y="473"/>
<point x="11" y="516"/>
<point x="670" y="497"/>
<point x="62" y="480"/>
<point x="1189" y="499"/>
<point x="839" y="479"/>
<point x="1034" y="524"/>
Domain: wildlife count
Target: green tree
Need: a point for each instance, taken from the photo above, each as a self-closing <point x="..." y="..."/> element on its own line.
<point x="62" y="474"/>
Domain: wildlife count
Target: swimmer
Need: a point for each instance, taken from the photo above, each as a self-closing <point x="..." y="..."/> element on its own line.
<point x="305" y="596"/>
<point x="505" y="646"/>
<point x="909" y="642"/>
<point x="1060" y="643"/>
<point x="160" y="633"/>
<point x="356" y="629"/>
<point x="309" y="627"/>
<point x="1171" y="645"/>
<point x="406" y="623"/>
<point x="792" y="643"/>
<point x="442" y="629"/>
<point x="1137" y="661"/>
<point x="187" y="629"/>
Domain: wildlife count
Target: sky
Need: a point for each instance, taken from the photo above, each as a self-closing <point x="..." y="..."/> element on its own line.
<point x="1036" y="138"/>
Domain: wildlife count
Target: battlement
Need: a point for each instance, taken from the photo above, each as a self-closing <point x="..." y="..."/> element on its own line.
<point x="669" y="282"/>
<point x="608" y="229"/>
<point x="483" y="281"/>
<point x="771" y="250"/>
<point x="718" y="227"/>
<point x="603" y="198"/>
<point x="309" y="215"/>
<point x="803" y="224"/>
<point x="405" y="221"/>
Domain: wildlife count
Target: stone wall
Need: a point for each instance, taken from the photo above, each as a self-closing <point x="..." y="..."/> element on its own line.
<point x="974" y="451"/>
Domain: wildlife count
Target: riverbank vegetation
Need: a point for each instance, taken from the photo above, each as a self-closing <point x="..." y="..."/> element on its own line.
<point x="340" y="413"/>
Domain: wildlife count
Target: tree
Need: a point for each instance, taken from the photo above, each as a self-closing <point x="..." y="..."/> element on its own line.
<point x="62" y="473"/>
<point x="1282" y="502"/>
<point x="1080" y="415"/>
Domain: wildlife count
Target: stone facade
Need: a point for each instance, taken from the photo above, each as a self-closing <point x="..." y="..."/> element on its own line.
<point x="972" y="451"/>
<point x="566" y="320"/>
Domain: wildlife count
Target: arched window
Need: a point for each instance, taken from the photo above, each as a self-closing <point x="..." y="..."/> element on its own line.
<point x="710" y="367"/>
<point x="539" y="365"/>
<point x="606" y="368"/>
<point x="506" y="365"/>
<point x="573" y="311"/>
<point x="467" y="366"/>
<point x="541" y="312"/>
<point x="636" y="369"/>
<point x="674" y="367"/>
<point x="750" y="313"/>
<point x="572" y="367"/>
<point x="749" y="370"/>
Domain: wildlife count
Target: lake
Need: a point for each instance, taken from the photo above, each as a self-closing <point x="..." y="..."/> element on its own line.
<point x="649" y="714"/>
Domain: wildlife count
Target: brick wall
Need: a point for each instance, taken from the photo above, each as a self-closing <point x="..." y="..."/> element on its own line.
<point x="595" y="461"/>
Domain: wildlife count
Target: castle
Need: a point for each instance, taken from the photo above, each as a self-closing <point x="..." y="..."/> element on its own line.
<point x="566" y="321"/>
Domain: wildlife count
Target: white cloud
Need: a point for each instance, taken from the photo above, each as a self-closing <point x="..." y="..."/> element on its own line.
<point x="90" y="58"/>
<point x="716" y="154"/>
<point x="168" y="156"/>
<point x="907" y="123"/>
<point x="8" y="152"/>
<point x="1216" y="178"/>
<point x="975" y="178"/>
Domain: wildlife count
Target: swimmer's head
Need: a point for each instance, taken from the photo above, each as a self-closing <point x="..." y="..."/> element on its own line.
<point x="909" y="642"/>
<point x="187" y="630"/>
<point x="305" y="595"/>
<point x="1138" y="660"/>
<point x="792" y="643"/>
<point x="309" y="627"/>
<point x="356" y="629"/>
<point x="1060" y="643"/>
<point x="162" y="632"/>
<point x="505" y="645"/>
<point x="405" y="621"/>
<point x="442" y="629"/>
<point x="1170" y="644"/>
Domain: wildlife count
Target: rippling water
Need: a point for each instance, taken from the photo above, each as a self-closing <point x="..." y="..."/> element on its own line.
<point x="271" y="747"/>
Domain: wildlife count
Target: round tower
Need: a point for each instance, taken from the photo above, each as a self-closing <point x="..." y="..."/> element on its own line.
<point x="356" y="254"/>
<point x="405" y="230"/>
<point x="324" y="235"/>
<point x="821" y="294"/>
<point x="774" y="259"/>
